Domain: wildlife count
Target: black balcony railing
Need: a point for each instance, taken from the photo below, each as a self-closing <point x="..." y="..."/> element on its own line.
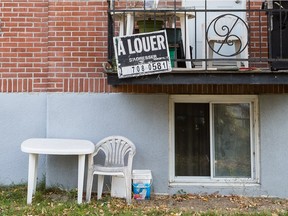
<point x="205" y="36"/>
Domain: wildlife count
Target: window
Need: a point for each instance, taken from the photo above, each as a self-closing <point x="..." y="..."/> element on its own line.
<point x="213" y="139"/>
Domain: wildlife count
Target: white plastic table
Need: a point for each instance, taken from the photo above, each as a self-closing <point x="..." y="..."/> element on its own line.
<point x="36" y="146"/>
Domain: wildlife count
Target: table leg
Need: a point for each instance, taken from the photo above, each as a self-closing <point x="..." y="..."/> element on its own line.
<point x="185" y="36"/>
<point x="130" y="24"/>
<point x="32" y="176"/>
<point x="81" y="168"/>
<point x="35" y="174"/>
<point x="121" y="28"/>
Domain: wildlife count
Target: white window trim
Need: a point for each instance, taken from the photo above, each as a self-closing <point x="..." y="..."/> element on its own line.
<point x="255" y="151"/>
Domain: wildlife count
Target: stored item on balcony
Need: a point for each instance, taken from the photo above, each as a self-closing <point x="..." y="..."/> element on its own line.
<point x="170" y="18"/>
<point x="118" y="152"/>
<point x="279" y="34"/>
<point x="152" y="4"/>
<point x="173" y="56"/>
<point x="149" y="25"/>
<point x="142" y="182"/>
<point x="176" y="49"/>
<point x="223" y="32"/>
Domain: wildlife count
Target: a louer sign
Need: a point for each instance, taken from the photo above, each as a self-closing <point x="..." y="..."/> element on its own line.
<point x="142" y="54"/>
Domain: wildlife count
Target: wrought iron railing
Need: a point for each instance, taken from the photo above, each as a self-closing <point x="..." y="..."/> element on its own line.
<point x="206" y="37"/>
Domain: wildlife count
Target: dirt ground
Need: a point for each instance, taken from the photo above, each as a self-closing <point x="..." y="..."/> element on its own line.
<point x="218" y="203"/>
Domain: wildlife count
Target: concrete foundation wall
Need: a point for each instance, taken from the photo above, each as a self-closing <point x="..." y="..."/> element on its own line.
<point x="142" y="118"/>
<point x="22" y="116"/>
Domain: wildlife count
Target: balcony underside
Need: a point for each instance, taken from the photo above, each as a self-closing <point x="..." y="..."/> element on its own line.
<point x="204" y="77"/>
<point x="208" y="44"/>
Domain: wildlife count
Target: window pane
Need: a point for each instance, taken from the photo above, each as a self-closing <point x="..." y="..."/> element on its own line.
<point x="232" y="140"/>
<point x="192" y="148"/>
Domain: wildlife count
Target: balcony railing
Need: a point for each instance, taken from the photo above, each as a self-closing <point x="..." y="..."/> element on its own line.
<point x="208" y="35"/>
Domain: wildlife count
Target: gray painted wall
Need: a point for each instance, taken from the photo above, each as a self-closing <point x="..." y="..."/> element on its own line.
<point x="21" y="116"/>
<point x="141" y="118"/>
<point x="274" y="144"/>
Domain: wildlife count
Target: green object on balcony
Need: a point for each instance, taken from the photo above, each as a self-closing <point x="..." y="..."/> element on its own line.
<point x="149" y="25"/>
<point x="172" y="56"/>
<point x="173" y="35"/>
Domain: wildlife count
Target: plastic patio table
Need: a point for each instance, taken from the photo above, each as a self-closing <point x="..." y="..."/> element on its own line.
<point x="48" y="146"/>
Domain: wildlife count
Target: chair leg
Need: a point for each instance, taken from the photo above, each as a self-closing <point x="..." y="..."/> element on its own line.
<point x="237" y="49"/>
<point x="245" y="55"/>
<point x="128" y="183"/>
<point x="239" y="62"/>
<point x="204" y="63"/>
<point x="100" y="186"/>
<point x="89" y="186"/>
<point x="210" y="53"/>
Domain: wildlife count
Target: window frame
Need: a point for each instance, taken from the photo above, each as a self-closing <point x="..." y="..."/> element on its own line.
<point x="254" y="139"/>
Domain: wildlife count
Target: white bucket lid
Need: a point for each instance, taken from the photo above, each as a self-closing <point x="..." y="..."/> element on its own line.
<point x="141" y="174"/>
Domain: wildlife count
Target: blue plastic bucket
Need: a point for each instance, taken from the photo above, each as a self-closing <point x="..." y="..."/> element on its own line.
<point x="142" y="182"/>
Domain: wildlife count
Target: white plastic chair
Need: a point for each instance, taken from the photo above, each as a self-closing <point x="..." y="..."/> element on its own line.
<point x="226" y="30"/>
<point x="119" y="152"/>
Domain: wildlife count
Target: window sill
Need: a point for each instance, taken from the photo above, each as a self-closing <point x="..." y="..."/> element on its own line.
<point x="216" y="184"/>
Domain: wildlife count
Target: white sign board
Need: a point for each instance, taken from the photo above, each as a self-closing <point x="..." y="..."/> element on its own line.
<point x="142" y="54"/>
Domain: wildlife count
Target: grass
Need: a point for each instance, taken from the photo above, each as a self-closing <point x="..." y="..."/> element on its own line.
<point x="54" y="201"/>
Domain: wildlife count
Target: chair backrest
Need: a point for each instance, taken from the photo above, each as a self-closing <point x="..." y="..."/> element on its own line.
<point x="115" y="149"/>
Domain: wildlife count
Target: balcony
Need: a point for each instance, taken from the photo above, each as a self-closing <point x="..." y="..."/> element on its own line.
<point x="210" y="42"/>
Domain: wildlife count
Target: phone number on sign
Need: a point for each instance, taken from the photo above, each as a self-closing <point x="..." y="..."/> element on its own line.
<point x="145" y="68"/>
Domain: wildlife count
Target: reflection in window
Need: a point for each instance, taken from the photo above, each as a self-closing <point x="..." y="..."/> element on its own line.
<point x="232" y="140"/>
<point x="192" y="148"/>
<point x="227" y="154"/>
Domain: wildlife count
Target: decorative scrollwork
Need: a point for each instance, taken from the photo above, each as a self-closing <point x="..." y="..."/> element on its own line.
<point x="227" y="30"/>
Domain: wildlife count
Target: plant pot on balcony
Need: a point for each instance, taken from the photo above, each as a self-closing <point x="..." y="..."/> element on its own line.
<point x="149" y="25"/>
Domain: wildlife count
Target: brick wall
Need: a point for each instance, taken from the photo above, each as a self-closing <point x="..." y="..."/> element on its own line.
<point x="49" y="46"/>
<point x="23" y="46"/>
<point x="258" y="46"/>
<point x="60" y="46"/>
